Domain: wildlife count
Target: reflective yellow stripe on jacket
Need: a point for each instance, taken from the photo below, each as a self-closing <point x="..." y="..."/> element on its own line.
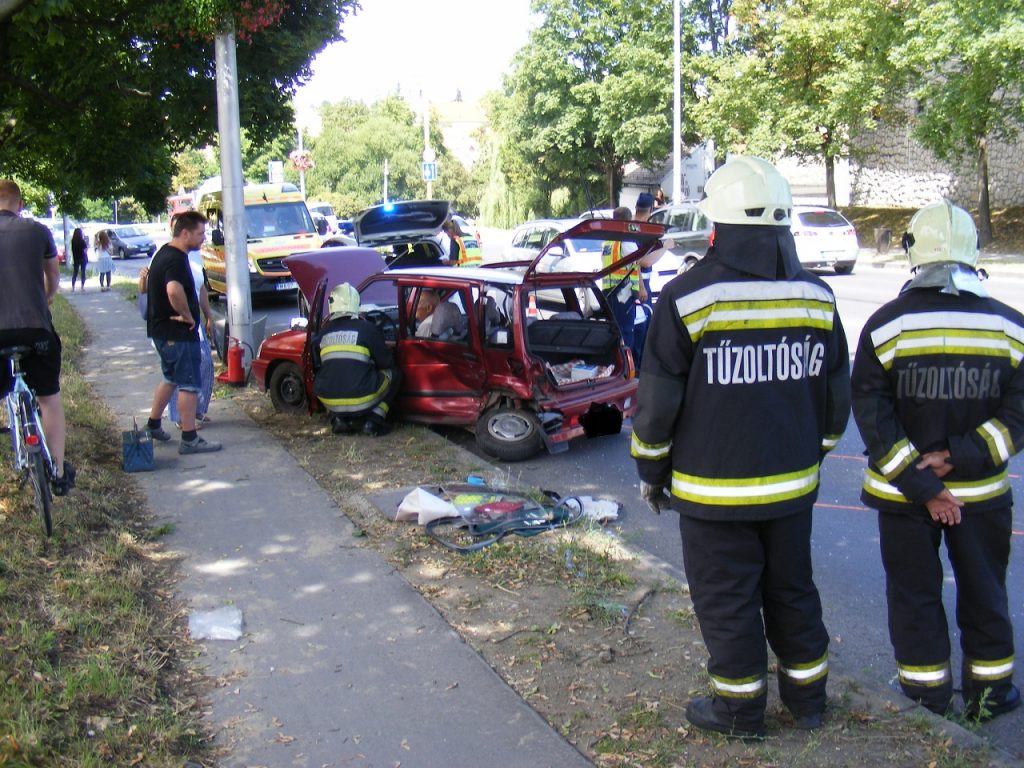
<point x="725" y="491"/>
<point x="343" y="404"/>
<point x="946" y="333"/>
<point x="762" y="304"/>
<point x="965" y="490"/>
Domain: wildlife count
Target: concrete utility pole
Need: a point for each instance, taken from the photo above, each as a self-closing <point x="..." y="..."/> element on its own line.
<point x="677" y="113"/>
<point x="233" y="197"/>
<point x="428" y="154"/>
<point x="302" y="172"/>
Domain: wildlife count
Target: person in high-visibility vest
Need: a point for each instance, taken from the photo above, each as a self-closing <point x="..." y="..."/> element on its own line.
<point x="622" y="286"/>
<point x="456" y="250"/>
<point x="472" y="255"/>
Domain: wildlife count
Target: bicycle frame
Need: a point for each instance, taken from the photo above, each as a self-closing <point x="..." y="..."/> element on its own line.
<point x="27" y="437"/>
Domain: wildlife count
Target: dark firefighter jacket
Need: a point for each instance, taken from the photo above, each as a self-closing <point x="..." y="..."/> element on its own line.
<point x="352" y="363"/>
<point x="745" y="381"/>
<point x="937" y="371"/>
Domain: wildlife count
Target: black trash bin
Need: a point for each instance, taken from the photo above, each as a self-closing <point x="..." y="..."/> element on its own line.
<point x="883" y="239"/>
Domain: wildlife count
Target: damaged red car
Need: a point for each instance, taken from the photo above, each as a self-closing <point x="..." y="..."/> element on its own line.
<point x="525" y="358"/>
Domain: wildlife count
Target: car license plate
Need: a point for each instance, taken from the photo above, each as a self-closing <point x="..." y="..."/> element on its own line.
<point x="287" y="285"/>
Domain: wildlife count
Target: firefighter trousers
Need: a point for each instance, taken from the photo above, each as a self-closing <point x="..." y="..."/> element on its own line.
<point x="752" y="580"/>
<point x="979" y="550"/>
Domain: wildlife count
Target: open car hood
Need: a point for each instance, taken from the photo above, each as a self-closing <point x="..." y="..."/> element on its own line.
<point x="342" y="264"/>
<point x="399" y="222"/>
<point x="645" y="236"/>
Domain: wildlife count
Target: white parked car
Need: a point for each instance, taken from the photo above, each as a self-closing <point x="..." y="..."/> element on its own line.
<point x="574" y="256"/>
<point x="824" y="238"/>
<point x="325" y="210"/>
<point x="689" y="231"/>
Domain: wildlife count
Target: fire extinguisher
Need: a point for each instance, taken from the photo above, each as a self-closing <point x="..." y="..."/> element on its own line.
<point x="236" y="368"/>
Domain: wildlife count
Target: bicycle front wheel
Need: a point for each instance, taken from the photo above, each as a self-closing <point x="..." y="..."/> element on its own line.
<point x="41" y="489"/>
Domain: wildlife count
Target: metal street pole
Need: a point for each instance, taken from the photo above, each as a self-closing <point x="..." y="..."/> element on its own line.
<point x="233" y="196"/>
<point x="385" y="179"/>
<point x="677" y="113"/>
<point x="428" y="153"/>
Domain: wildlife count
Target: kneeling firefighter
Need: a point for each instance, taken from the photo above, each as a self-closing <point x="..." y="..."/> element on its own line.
<point x="356" y="375"/>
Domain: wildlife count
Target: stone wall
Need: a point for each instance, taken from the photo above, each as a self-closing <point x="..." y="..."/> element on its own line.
<point x="892" y="170"/>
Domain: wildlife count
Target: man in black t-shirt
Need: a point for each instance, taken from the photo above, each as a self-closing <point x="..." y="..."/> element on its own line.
<point x="30" y="276"/>
<point x="171" y="322"/>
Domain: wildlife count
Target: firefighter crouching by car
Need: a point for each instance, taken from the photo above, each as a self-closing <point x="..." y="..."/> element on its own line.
<point x="938" y="395"/>
<point x="743" y="389"/>
<point x="356" y="375"/>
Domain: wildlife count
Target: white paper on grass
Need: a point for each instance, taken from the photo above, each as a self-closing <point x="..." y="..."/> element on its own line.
<point x="423" y="506"/>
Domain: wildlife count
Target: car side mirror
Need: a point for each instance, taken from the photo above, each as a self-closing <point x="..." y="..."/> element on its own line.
<point x="217" y="237"/>
<point x="321" y="227"/>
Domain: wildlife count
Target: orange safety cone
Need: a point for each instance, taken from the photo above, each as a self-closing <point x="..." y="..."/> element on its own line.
<point x="531" y="310"/>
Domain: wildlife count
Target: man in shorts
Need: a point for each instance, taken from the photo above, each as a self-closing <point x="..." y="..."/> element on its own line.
<point x="30" y="275"/>
<point x="172" y="324"/>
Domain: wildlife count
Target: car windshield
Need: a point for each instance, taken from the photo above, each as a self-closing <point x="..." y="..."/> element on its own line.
<point x="822" y="219"/>
<point x="277" y="219"/>
<point x="129" y="232"/>
<point x="323" y="210"/>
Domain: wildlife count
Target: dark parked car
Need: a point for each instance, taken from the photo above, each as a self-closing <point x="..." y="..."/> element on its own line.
<point x="526" y="359"/>
<point x="127" y="241"/>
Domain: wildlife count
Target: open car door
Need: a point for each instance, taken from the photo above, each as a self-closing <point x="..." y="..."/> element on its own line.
<point x="313" y="324"/>
<point x="644" y="236"/>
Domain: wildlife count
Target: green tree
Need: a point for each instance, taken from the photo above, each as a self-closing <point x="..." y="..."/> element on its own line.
<point x="965" y="59"/>
<point x="591" y="90"/>
<point x="798" y="77"/>
<point x="353" y="144"/>
<point x="97" y="95"/>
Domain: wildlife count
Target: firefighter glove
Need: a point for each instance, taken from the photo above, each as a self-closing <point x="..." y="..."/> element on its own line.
<point x="655" y="496"/>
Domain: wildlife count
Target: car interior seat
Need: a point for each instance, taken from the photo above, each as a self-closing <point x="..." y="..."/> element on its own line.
<point x="448" y="323"/>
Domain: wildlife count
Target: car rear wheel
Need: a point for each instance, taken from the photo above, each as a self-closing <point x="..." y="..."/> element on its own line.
<point x="509" y="434"/>
<point x="287" y="389"/>
<point x="122" y="254"/>
<point x="843" y="269"/>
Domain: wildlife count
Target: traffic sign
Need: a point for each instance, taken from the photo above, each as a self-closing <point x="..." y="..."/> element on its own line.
<point x="430" y="171"/>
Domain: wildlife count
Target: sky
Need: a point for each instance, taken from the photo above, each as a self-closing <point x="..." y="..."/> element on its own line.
<point x="438" y="47"/>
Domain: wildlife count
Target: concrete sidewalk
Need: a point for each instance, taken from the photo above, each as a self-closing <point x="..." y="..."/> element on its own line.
<point x="341" y="662"/>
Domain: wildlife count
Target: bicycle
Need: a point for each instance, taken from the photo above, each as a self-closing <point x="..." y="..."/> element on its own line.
<point x="32" y="460"/>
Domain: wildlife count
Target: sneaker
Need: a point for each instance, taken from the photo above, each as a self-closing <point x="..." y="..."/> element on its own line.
<point x="159" y="434"/>
<point x="701" y="713"/>
<point x="63" y="484"/>
<point x="199" y="445"/>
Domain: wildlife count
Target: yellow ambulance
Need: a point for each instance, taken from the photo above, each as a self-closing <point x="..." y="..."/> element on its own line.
<point x="277" y="224"/>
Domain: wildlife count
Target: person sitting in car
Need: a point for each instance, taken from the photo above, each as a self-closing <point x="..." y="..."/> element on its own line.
<point x="356" y="375"/>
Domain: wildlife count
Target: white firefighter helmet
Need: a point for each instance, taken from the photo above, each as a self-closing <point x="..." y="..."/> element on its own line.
<point x="344" y="300"/>
<point x="747" y="190"/>
<point x="941" y="232"/>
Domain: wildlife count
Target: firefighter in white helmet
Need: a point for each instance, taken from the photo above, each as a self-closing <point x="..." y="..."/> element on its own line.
<point x="356" y="377"/>
<point x="744" y="387"/>
<point x="938" y="395"/>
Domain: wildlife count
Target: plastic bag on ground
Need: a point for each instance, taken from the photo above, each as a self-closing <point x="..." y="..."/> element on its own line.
<point x="219" y="624"/>
<point x="423" y="506"/>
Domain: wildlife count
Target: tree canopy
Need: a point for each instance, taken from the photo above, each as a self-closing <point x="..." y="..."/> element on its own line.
<point x="97" y="95"/>
<point x="591" y="90"/>
<point x="965" y="62"/>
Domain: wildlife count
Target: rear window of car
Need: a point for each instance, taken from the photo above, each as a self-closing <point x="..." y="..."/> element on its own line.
<point x="129" y="232"/>
<point x="822" y="219"/>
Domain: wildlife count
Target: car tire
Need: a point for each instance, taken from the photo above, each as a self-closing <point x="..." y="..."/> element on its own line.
<point x="509" y="434"/>
<point x="122" y="254"/>
<point x="689" y="263"/>
<point x="287" y="389"/>
<point x="843" y="269"/>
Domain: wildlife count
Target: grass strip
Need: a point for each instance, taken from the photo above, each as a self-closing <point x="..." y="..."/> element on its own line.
<point x="92" y="642"/>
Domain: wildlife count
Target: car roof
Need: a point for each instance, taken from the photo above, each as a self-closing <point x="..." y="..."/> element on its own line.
<point x="560" y="224"/>
<point x="400" y="221"/>
<point x="484" y="274"/>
